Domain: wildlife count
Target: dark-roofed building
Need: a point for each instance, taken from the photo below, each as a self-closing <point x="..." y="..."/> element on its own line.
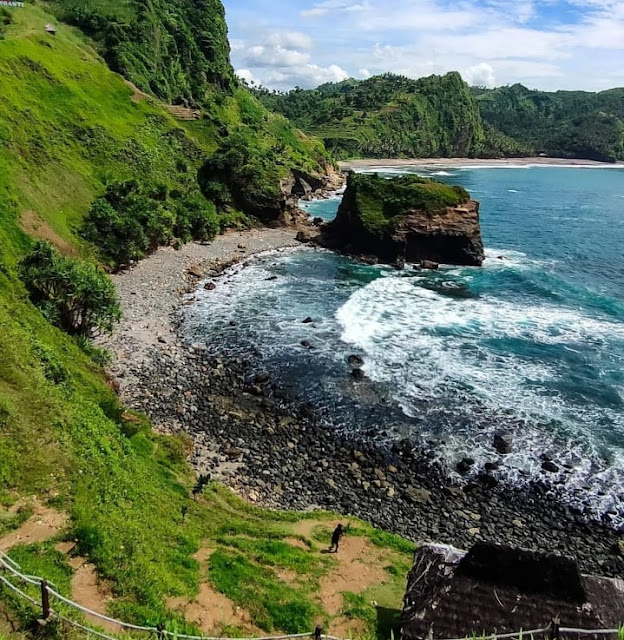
<point x="495" y="589"/>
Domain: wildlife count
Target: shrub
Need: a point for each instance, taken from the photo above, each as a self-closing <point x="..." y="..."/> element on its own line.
<point x="129" y="221"/>
<point x="196" y="218"/>
<point x="73" y="294"/>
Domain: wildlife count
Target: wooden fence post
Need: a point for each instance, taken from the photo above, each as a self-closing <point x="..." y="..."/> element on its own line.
<point x="45" y="600"/>
<point x="318" y="632"/>
<point x="553" y="629"/>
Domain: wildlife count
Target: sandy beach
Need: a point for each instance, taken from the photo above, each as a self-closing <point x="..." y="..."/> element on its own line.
<point x="471" y="162"/>
<point x="150" y="292"/>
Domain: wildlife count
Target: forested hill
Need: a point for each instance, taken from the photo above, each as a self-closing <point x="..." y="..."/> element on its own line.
<point x="387" y="116"/>
<point x="560" y="124"/>
<point x="394" y="116"/>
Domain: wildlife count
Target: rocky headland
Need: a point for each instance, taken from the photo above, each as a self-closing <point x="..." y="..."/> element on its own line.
<point x="406" y="219"/>
<point x="275" y="450"/>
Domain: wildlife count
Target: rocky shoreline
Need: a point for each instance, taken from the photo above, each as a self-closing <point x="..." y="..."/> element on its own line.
<point x="275" y="451"/>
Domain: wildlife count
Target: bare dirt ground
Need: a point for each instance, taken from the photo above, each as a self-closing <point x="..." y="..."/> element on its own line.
<point x="211" y="611"/>
<point x="37" y="227"/>
<point x="44" y="524"/>
<point x="360" y="566"/>
<point x="90" y="592"/>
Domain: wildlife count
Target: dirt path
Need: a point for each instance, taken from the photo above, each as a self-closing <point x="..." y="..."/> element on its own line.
<point x="90" y="592"/>
<point x="44" y="524"/>
<point x="360" y="565"/>
<point x="210" y="610"/>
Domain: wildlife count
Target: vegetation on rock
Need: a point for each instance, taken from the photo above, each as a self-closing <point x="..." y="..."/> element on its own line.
<point x="407" y="218"/>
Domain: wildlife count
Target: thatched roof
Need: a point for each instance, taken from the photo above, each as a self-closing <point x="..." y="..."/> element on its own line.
<point x="495" y="589"/>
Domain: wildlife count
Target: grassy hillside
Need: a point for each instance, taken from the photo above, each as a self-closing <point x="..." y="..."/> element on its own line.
<point x="72" y="134"/>
<point x="71" y="128"/>
<point x="575" y="124"/>
<point x="388" y="116"/>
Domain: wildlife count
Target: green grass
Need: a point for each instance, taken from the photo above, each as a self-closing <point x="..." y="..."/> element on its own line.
<point x="378" y="202"/>
<point x="272" y="603"/>
<point x="70" y="126"/>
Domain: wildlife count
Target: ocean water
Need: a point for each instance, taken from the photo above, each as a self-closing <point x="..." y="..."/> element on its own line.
<point x="531" y="344"/>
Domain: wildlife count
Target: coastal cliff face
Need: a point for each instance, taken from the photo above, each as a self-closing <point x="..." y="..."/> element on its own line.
<point x="407" y="219"/>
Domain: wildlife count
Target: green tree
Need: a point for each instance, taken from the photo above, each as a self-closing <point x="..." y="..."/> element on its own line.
<point x="75" y="295"/>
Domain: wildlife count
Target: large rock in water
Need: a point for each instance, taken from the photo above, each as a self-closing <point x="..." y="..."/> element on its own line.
<point x="407" y="217"/>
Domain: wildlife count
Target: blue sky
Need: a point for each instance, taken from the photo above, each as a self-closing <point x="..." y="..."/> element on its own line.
<point x="545" y="44"/>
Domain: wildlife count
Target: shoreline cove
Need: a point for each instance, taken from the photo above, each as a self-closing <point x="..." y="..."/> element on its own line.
<point x="474" y="163"/>
<point x="273" y="449"/>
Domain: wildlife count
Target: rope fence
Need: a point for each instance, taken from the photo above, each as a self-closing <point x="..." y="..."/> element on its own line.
<point x="553" y="630"/>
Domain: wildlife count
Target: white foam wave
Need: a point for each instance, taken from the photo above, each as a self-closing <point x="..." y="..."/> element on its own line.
<point x="441" y="173"/>
<point x="512" y="191"/>
<point x="429" y="348"/>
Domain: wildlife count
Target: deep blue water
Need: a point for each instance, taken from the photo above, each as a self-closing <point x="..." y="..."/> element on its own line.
<point x="531" y="344"/>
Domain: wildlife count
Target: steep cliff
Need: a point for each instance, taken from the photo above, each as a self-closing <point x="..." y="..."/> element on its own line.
<point x="176" y="49"/>
<point x="407" y="218"/>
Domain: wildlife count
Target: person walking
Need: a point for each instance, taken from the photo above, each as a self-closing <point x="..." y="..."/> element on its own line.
<point x="335" y="539"/>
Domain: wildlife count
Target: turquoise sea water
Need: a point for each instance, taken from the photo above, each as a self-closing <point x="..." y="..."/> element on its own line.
<point x="531" y="344"/>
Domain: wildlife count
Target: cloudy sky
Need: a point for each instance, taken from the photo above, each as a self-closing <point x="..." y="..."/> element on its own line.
<point x="545" y="44"/>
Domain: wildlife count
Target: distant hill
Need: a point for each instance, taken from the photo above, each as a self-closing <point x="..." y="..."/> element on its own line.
<point x="395" y="116"/>
<point x="387" y="116"/>
<point x="565" y="124"/>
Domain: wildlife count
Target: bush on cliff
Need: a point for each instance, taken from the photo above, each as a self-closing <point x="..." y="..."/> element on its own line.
<point x="5" y="20"/>
<point x="130" y="220"/>
<point x="73" y="294"/>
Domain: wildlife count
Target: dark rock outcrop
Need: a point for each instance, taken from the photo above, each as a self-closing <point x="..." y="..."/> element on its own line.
<point x="407" y="218"/>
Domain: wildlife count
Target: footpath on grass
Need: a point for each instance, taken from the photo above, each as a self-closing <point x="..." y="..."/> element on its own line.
<point x="349" y="584"/>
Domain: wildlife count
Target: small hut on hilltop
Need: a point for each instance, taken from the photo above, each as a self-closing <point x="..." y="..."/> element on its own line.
<point x="496" y="589"/>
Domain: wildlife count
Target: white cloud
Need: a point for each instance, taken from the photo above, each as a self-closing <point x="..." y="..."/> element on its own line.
<point x="306" y="76"/>
<point x="261" y="56"/>
<point x="323" y="8"/>
<point x="547" y="44"/>
<point x="480" y="75"/>
<point x="246" y="75"/>
<point x="289" y="40"/>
